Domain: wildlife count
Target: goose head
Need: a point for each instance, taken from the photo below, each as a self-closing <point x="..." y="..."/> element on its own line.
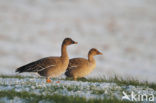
<point x="94" y="52"/>
<point x="69" y="41"/>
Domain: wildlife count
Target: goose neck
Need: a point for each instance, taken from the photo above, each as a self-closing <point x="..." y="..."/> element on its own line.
<point x="64" y="53"/>
<point x="90" y="58"/>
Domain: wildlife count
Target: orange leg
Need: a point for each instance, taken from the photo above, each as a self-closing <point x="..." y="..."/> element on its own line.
<point x="48" y="80"/>
<point x="75" y="78"/>
<point x="57" y="81"/>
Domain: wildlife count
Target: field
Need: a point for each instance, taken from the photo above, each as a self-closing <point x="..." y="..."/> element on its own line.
<point x="19" y="89"/>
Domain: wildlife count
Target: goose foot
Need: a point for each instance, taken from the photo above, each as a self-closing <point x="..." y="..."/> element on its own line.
<point x="75" y="78"/>
<point x="57" y="81"/>
<point x="48" y="81"/>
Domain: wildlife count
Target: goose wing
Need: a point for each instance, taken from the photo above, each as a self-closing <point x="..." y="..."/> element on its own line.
<point x="39" y="65"/>
<point x="76" y="62"/>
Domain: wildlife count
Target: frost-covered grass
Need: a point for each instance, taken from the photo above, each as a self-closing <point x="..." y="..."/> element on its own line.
<point x="33" y="89"/>
<point x="15" y="76"/>
<point x="30" y="97"/>
<point x="122" y="81"/>
<point x="115" y="79"/>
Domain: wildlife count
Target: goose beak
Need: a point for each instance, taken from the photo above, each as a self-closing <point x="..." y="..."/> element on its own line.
<point x="75" y="42"/>
<point x="100" y="53"/>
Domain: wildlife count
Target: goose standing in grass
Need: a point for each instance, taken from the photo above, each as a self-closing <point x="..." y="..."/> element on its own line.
<point x="80" y="67"/>
<point x="50" y="66"/>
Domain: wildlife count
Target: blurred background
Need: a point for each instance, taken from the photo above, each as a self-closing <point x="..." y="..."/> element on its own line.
<point x="124" y="31"/>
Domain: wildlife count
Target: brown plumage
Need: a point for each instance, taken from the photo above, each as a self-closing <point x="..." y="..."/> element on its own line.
<point x="80" y="67"/>
<point x="50" y="66"/>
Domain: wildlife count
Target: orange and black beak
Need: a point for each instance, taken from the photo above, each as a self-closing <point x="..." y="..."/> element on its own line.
<point x="99" y="53"/>
<point x="73" y="42"/>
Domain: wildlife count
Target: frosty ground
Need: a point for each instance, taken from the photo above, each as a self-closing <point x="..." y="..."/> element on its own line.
<point x="31" y="89"/>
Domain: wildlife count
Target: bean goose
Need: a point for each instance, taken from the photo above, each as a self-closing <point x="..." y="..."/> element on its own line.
<point x="80" y="67"/>
<point x="50" y="66"/>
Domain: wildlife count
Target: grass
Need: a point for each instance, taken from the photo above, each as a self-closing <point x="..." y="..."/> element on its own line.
<point x="14" y="76"/>
<point x="116" y="79"/>
<point x="33" y="98"/>
<point x="120" y="81"/>
<point x="58" y="98"/>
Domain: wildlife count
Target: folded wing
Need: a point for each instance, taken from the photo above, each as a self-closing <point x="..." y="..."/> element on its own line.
<point x="37" y="66"/>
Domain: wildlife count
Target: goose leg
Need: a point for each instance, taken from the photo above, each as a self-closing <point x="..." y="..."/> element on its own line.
<point x="75" y="78"/>
<point x="57" y="81"/>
